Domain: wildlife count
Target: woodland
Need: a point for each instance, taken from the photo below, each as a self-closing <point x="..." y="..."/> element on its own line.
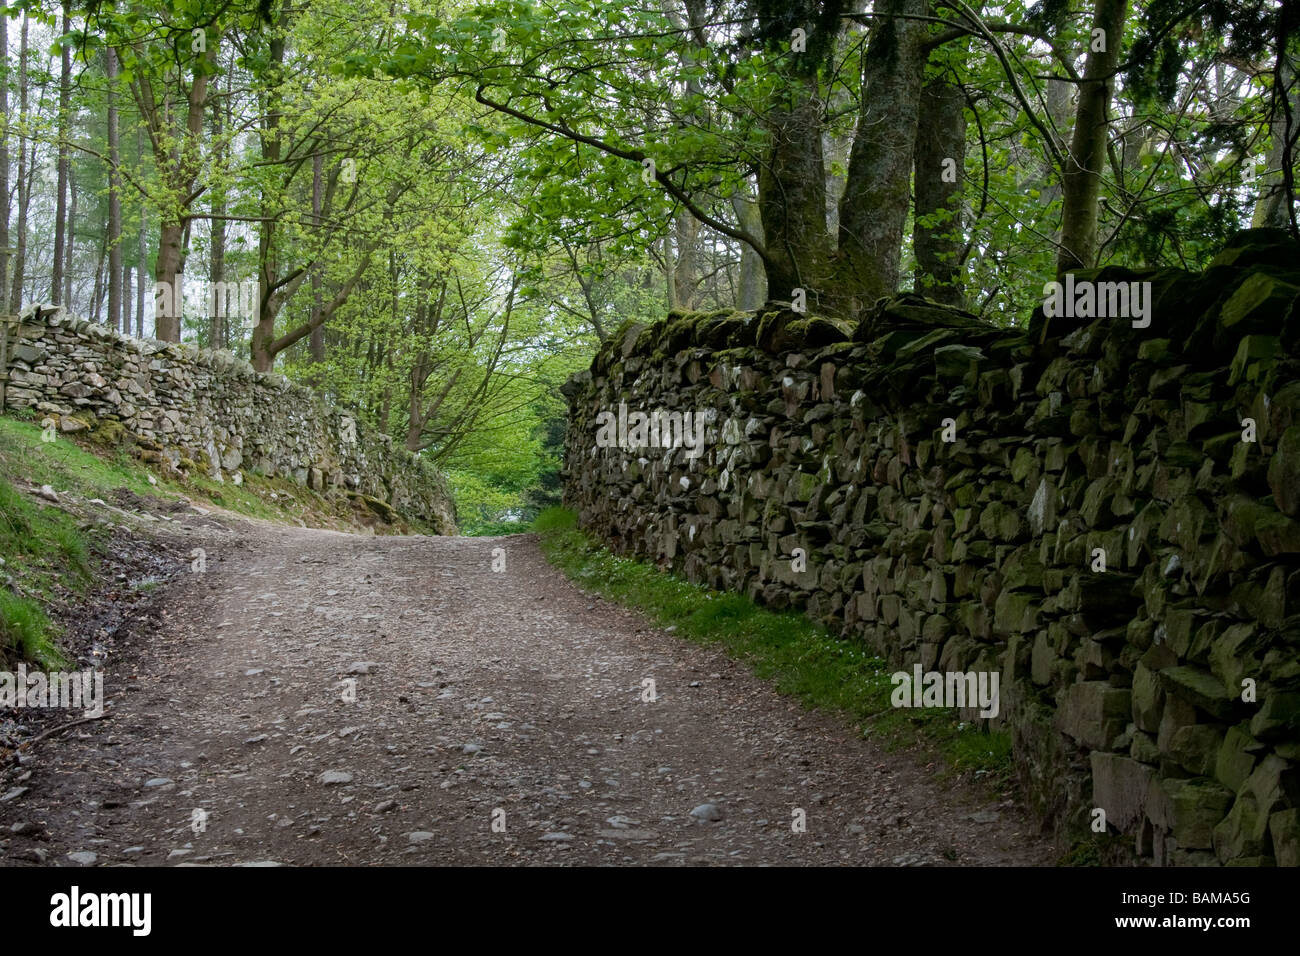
<point x="435" y="212"/>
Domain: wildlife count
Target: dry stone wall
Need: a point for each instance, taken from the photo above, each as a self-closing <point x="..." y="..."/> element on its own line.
<point x="187" y="409"/>
<point x="1104" y="512"/>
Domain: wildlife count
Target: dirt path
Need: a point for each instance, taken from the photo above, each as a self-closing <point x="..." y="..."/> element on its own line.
<point x="479" y="697"/>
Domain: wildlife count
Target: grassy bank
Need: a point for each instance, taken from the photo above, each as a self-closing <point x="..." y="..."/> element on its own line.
<point x="43" y="551"/>
<point x="799" y="657"/>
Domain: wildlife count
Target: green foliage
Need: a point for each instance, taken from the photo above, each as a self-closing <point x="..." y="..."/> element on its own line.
<point x="498" y="225"/>
<point x="483" y="508"/>
<point x="42" y="549"/>
<point x="26" y="633"/>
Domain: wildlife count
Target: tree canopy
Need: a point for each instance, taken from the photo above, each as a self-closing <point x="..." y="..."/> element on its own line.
<point x="435" y="212"/>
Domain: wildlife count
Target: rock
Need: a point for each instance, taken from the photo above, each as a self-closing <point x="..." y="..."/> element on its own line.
<point x="1284" y="830"/>
<point x="1199" y="688"/>
<point x="1284" y="472"/>
<point x="1144" y="748"/>
<point x="1043" y="660"/>
<point x="1148" y="698"/>
<point x="419" y="836"/>
<point x="1177" y="714"/>
<point x="159" y="782"/>
<point x="1190" y="808"/>
<point x="1195" y="748"/>
<point x="12" y="794"/>
<point x="556" y="837"/>
<point x="1278" y="716"/>
<point x="1120" y="786"/>
<point x="362" y="667"/>
<point x="1236" y="758"/>
<point x="1094" y="713"/>
<point x="471" y="749"/>
<point x="1243" y="831"/>
<point x="629" y="835"/>
<point x="384" y="806"/>
<point x="84" y="857"/>
<point x="48" y="493"/>
<point x="331" y="778"/>
<point x="1274" y="783"/>
<point x="707" y="813"/>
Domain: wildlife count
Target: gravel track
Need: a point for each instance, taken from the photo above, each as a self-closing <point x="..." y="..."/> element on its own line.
<point x="498" y="719"/>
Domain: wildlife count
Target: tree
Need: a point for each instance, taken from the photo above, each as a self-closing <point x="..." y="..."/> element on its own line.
<point x="62" y="232"/>
<point x="1081" y="184"/>
<point x="4" y="154"/>
<point x="114" y="235"/>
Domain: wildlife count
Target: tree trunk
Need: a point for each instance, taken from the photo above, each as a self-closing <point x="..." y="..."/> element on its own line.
<point x="4" y="155"/>
<point x="169" y="278"/>
<point x="1058" y="94"/>
<point x="318" y="332"/>
<point x="70" y="243"/>
<point x="61" y="201"/>
<point x="24" y="181"/>
<point x="177" y="157"/>
<point x="751" y="290"/>
<point x="1081" y="182"/>
<point x="125" y="316"/>
<point x="873" y="211"/>
<point x="218" y="331"/>
<point x="670" y="274"/>
<point x="98" y="289"/>
<point x="264" y="329"/>
<point x="142" y="253"/>
<point x="940" y="175"/>
<point x="1271" y="207"/>
<point x="114" y="194"/>
<point x="686" y="272"/>
<point x="792" y="195"/>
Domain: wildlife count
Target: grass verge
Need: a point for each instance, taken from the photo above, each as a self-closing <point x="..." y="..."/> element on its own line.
<point x="799" y="657"/>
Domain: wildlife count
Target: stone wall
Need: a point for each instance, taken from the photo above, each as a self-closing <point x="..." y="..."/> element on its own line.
<point x="1164" y="689"/>
<point x="184" y="409"/>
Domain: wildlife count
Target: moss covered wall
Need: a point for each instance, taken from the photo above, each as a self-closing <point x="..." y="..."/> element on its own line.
<point x="1164" y="689"/>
